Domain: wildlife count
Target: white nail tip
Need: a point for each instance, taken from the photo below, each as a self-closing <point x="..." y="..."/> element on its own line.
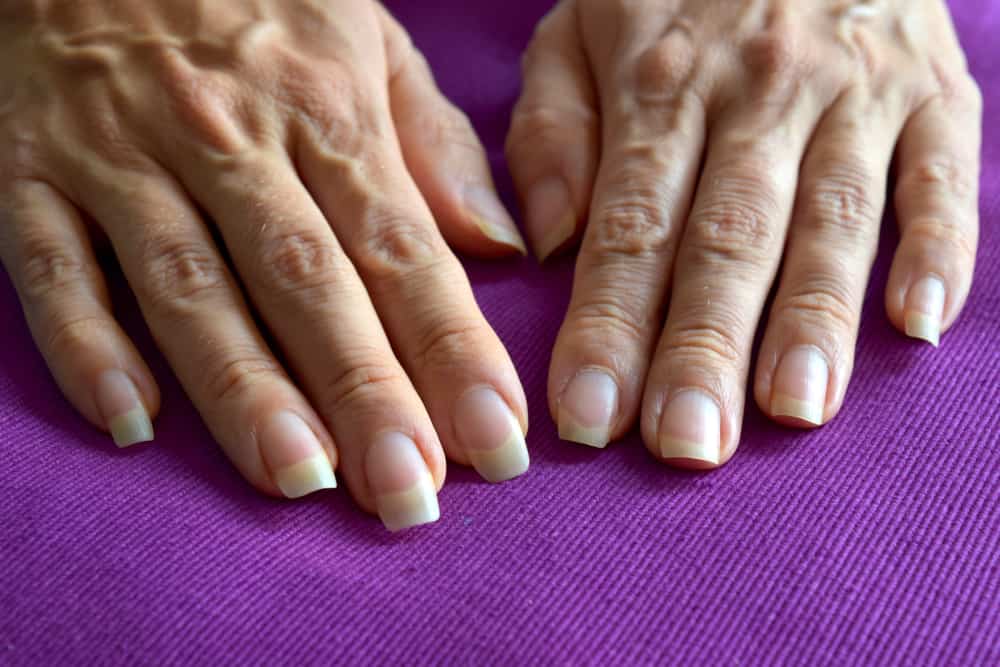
<point x="673" y="448"/>
<point x="505" y="462"/>
<point x="557" y="236"/>
<point x="131" y="428"/>
<point x="786" y="406"/>
<point x="571" y="431"/>
<point x="413" y="507"/>
<point x="502" y="235"/>
<point x="306" y="477"/>
<point x="923" y="327"/>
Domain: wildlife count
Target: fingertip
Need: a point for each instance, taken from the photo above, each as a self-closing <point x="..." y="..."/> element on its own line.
<point x="550" y="218"/>
<point x="486" y="213"/>
<point x="292" y="452"/>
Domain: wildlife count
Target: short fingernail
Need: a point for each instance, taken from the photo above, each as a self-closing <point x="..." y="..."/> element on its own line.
<point x="799" y="386"/>
<point x="550" y="216"/>
<point x="492" y="217"/>
<point x="491" y="435"/>
<point x="404" y="490"/>
<point x="122" y="409"/>
<point x="299" y="464"/>
<point x="691" y="428"/>
<point x="587" y="408"/>
<point x="925" y="309"/>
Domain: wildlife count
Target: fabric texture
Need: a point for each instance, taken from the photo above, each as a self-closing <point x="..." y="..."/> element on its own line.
<point x="874" y="540"/>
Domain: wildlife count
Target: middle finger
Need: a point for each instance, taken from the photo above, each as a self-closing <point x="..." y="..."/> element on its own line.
<point x="728" y="257"/>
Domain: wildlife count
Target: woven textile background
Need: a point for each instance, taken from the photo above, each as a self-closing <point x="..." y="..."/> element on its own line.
<point x="873" y="540"/>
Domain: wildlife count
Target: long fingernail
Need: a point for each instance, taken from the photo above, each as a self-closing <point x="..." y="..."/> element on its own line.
<point x="799" y="386"/>
<point x="691" y="428"/>
<point x="924" y="310"/>
<point x="587" y="407"/>
<point x="491" y="435"/>
<point x="298" y="462"/>
<point x="550" y="216"/>
<point x="492" y="217"/>
<point x="121" y="407"/>
<point x="404" y="490"/>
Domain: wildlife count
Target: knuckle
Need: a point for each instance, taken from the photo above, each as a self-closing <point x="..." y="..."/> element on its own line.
<point x="179" y="274"/>
<point x="448" y="343"/>
<point x="842" y="199"/>
<point x="732" y="228"/>
<point x="332" y="102"/>
<point x="298" y="262"/>
<point x="957" y="84"/>
<point x="711" y="343"/>
<point x="48" y="268"/>
<point x="392" y="244"/>
<point x="76" y="335"/>
<point x="825" y="302"/>
<point x="202" y="102"/>
<point x="535" y="126"/>
<point x="941" y="173"/>
<point x="635" y="222"/>
<point x="778" y="54"/>
<point x="231" y="377"/>
<point x="935" y="235"/>
<point x="666" y="66"/>
<point x="634" y="228"/>
<point x="362" y="381"/>
<point x="609" y="318"/>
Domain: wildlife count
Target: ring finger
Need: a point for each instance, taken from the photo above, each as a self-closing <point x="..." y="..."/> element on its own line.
<point x="807" y="353"/>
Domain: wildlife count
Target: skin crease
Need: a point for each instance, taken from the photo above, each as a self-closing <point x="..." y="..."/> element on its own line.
<point x="699" y="143"/>
<point x="711" y="149"/>
<point x="288" y="159"/>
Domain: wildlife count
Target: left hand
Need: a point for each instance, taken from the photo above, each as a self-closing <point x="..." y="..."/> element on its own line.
<point x="698" y="145"/>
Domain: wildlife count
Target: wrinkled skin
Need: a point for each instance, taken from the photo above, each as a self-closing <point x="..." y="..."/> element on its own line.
<point x="705" y="150"/>
<point x="306" y="142"/>
<point x="288" y="168"/>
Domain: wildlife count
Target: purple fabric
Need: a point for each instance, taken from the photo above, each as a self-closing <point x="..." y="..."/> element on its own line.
<point x="873" y="540"/>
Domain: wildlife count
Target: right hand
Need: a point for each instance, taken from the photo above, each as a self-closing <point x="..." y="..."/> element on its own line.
<point x="313" y="137"/>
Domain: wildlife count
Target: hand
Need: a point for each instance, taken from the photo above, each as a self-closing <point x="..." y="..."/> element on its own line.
<point x="313" y="138"/>
<point x="698" y="145"/>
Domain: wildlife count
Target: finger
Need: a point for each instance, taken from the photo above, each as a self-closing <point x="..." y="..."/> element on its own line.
<point x="423" y="298"/>
<point x="693" y="404"/>
<point x="444" y="155"/>
<point x="315" y="305"/>
<point x="553" y="146"/>
<point x="807" y="354"/>
<point x="46" y="249"/>
<point x="642" y="196"/>
<point x="936" y="198"/>
<point x="200" y="321"/>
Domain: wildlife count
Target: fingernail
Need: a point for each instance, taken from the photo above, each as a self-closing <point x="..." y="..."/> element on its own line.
<point x="491" y="435"/>
<point x="799" y="386"/>
<point x="492" y="217"/>
<point x="587" y="407"/>
<point x="401" y="483"/>
<point x="549" y="215"/>
<point x="924" y="310"/>
<point x="298" y="462"/>
<point x="121" y="407"/>
<point x="691" y="428"/>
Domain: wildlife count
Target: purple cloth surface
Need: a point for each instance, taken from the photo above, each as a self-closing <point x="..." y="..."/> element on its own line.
<point x="873" y="540"/>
